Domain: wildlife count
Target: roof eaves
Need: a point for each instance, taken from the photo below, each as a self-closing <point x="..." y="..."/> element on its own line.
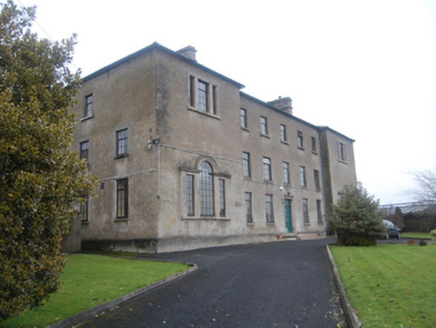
<point x="323" y="128"/>
<point x="157" y="46"/>
<point x="277" y="109"/>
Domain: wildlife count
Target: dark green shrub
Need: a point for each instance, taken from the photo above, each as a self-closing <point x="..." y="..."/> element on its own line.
<point x="357" y="218"/>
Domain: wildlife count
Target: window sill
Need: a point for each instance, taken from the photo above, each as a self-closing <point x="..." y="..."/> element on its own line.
<point x="206" y="218"/>
<point x="284" y="142"/>
<point x="85" y="222"/>
<point x="245" y="129"/>
<point x="301" y="148"/>
<point x="306" y="224"/>
<point x="121" y="156"/>
<point x="251" y="224"/>
<point x="121" y="220"/>
<point x="270" y="223"/>
<point x="268" y="181"/>
<point x="314" y="152"/>
<point x="203" y="113"/>
<point x="86" y="118"/>
<point x="248" y="178"/>
<point x="265" y="136"/>
<point x="342" y="161"/>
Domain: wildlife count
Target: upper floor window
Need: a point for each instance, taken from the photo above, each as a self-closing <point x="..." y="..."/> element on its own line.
<point x="246" y="164"/>
<point x="84" y="150"/>
<point x="285" y="172"/>
<point x="314" y="145"/>
<point x="342" y="151"/>
<point x="243" y="113"/>
<point x="267" y="168"/>
<point x="88" y="105"/>
<point x="300" y="139"/>
<point x="207" y="207"/>
<point x="283" y="132"/>
<point x="122" y="142"/>
<point x="303" y="176"/>
<point x="263" y="125"/>
<point x="316" y="179"/>
<point x="202" y="96"/>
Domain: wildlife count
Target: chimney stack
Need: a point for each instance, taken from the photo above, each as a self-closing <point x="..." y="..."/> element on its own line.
<point x="188" y="52"/>
<point x="285" y="104"/>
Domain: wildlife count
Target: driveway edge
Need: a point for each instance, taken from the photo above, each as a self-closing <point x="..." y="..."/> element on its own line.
<point x="92" y="312"/>
<point x="350" y="315"/>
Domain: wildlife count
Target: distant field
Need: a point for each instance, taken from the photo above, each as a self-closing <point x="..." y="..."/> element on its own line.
<point x="416" y="235"/>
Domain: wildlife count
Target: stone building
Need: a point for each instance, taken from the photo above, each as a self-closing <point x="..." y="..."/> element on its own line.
<point x="186" y="160"/>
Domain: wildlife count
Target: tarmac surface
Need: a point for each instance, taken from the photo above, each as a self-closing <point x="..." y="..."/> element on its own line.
<point x="280" y="284"/>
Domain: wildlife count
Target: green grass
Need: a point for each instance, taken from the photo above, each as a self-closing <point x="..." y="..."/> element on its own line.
<point x="90" y="280"/>
<point x="390" y="285"/>
<point x="416" y="235"/>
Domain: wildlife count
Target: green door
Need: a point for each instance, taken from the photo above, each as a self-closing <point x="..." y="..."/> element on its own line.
<point x="288" y="214"/>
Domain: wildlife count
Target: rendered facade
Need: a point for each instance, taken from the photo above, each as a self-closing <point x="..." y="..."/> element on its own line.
<point x="186" y="160"/>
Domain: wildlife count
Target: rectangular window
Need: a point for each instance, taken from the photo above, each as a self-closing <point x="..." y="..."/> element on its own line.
<point x="122" y="143"/>
<point x="190" y="195"/>
<point x="263" y="125"/>
<point x="267" y="168"/>
<point x="192" y="82"/>
<point x="122" y="198"/>
<point x="300" y="140"/>
<point x="283" y="132"/>
<point x="202" y="96"/>
<point x="342" y="152"/>
<point x="285" y="173"/>
<point x="222" y="185"/>
<point x="88" y="105"/>
<point x="314" y="144"/>
<point x="83" y="211"/>
<point x="303" y="176"/>
<point x="305" y="212"/>
<point x="269" y="208"/>
<point x="318" y="211"/>
<point x="246" y="164"/>
<point x="84" y="150"/>
<point x="316" y="179"/>
<point x="244" y="118"/>
<point x="248" y="207"/>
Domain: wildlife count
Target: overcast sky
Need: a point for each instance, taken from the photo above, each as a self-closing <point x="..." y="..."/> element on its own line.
<point x="365" y="68"/>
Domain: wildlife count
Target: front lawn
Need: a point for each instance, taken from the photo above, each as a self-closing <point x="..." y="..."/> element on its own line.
<point x="390" y="285"/>
<point x="90" y="280"/>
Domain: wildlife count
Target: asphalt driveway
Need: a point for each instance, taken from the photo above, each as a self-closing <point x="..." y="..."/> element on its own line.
<point x="281" y="284"/>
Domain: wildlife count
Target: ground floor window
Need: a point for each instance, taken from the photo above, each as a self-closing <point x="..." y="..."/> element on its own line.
<point x="207" y="207"/>
<point x="306" y="212"/>
<point x="222" y="184"/>
<point x="83" y="210"/>
<point x="318" y="211"/>
<point x="248" y="207"/>
<point x="190" y="196"/>
<point x="122" y="198"/>
<point x="269" y="208"/>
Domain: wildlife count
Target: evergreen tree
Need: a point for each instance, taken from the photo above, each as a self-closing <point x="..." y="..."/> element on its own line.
<point x="357" y="218"/>
<point x="39" y="176"/>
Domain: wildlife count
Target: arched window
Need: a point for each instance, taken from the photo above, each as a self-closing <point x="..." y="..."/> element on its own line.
<point x="206" y="190"/>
